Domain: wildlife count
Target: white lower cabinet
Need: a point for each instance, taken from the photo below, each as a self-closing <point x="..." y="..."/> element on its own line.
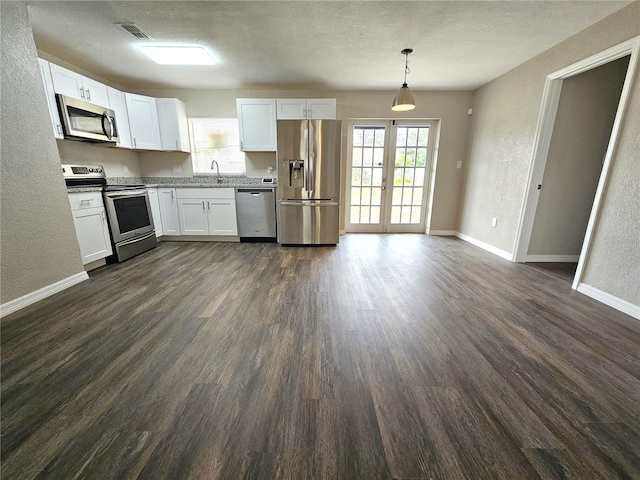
<point x="155" y="211"/>
<point x="193" y="217"/>
<point x="207" y="211"/>
<point x="168" y="203"/>
<point x="92" y="229"/>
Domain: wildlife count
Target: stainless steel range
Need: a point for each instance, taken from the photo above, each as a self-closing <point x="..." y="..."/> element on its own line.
<point x="128" y="210"/>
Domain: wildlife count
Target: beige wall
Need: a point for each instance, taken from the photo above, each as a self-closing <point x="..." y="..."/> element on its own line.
<point x="613" y="265"/>
<point x="581" y="132"/>
<point x="37" y="235"/>
<point x="500" y="151"/>
<point x="450" y="107"/>
<point x="114" y="160"/>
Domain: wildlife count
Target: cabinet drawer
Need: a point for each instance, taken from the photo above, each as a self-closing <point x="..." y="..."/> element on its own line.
<point x="204" y="193"/>
<point x="85" y="200"/>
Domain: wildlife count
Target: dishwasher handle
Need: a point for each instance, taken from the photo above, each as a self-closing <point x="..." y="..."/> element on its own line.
<point x="257" y="191"/>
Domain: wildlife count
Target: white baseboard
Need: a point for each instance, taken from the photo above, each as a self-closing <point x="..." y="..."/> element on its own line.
<point x="608" y="299"/>
<point x="485" y="246"/>
<point x="33" y="297"/>
<point x="442" y="233"/>
<point x="342" y="232"/>
<point x="552" y="258"/>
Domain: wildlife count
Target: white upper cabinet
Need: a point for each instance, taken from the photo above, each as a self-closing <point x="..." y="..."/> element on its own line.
<point x="257" y="123"/>
<point x="143" y="121"/>
<point x="77" y="86"/>
<point x="51" y="98"/>
<point x="311" y="108"/>
<point x="174" y="130"/>
<point x="119" y="106"/>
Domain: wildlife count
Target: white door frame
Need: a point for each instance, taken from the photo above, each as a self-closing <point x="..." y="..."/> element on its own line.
<point x="542" y="142"/>
<point x="430" y="169"/>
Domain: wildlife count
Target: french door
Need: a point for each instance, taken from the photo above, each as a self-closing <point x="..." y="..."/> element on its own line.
<point x="388" y="175"/>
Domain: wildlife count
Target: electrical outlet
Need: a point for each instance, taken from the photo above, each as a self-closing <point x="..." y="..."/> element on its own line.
<point x="177" y="169"/>
<point x="270" y="170"/>
<point x="459" y="164"/>
<point x="494" y="222"/>
<point x="126" y="169"/>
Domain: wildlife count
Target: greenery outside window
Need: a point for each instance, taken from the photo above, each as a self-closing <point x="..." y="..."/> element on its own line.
<point x="216" y="139"/>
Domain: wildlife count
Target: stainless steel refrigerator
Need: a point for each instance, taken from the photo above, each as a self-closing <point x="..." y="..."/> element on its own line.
<point x="308" y="192"/>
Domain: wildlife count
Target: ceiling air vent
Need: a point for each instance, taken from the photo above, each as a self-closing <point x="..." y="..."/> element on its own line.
<point x="134" y="30"/>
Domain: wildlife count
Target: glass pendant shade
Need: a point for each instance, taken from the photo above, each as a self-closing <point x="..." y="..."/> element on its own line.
<point x="404" y="100"/>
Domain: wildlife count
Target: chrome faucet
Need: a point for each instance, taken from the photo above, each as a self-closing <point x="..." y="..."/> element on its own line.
<point x="218" y="177"/>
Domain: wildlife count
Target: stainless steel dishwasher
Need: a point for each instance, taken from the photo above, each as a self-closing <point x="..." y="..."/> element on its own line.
<point x="256" y="210"/>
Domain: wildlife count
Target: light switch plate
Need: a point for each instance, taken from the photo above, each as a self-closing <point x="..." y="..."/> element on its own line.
<point x="177" y="169"/>
<point x="126" y="169"/>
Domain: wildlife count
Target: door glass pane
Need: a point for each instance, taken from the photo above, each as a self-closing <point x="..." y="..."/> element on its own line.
<point x="401" y="138"/>
<point x="375" y="214"/>
<point x="411" y="153"/>
<point x="367" y="172"/>
<point x="395" y="214"/>
<point x="376" y="196"/>
<point x="355" y="196"/>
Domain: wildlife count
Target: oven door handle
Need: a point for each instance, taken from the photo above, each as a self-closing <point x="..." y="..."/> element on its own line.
<point x="128" y="193"/>
<point x="137" y="239"/>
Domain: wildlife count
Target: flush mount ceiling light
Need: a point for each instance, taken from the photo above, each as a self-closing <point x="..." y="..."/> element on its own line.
<point x="178" y="55"/>
<point x="404" y="99"/>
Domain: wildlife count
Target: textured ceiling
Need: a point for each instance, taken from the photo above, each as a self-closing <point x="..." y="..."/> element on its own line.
<point x="311" y="44"/>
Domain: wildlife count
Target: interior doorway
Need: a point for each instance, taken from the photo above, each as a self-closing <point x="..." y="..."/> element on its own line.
<point x="581" y="132"/>
<point x="543" y="142"/>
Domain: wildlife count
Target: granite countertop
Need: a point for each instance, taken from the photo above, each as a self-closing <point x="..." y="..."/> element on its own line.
<point x="228" y="181"/>
<point x="83" y="189"/>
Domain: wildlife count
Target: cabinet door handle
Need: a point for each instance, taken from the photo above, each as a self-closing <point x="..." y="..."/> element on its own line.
<point x="177" y="145"/>
<point x="82" y="93"/>
<point x="134" y="143"/>
<point x="310" y="112"/>
<point x="171" y="194"/>
<point x="304" y="113"/>
<point x="241" y="146"/>
<point x="203" y="205"/>
<point x="88" y="95"/>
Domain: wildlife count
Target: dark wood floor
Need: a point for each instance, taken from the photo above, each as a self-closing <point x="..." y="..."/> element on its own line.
<point x="397" y="356"/>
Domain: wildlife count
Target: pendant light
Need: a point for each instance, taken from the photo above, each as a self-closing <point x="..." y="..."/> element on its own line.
<point x="404" y="99"/>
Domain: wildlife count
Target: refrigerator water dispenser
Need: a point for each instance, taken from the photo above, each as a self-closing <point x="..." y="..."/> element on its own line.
<point x="296" y="173"/>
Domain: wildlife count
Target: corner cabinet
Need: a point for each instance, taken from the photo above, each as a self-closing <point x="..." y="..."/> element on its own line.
<point x="301" y="109"/>
<point x="143" y="121"/>
<point x="174" y="129"/>
<point x="207" y="211"/>
<point x="257" y="124"/>
<point x="92" y="230"/>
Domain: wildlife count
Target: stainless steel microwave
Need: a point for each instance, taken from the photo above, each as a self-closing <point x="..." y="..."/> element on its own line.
<point x="86" y="121"/>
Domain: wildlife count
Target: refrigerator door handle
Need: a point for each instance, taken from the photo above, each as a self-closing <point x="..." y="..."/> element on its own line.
<point x="326" y="203"/>
<point x="311" y="158"/>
